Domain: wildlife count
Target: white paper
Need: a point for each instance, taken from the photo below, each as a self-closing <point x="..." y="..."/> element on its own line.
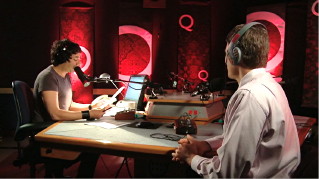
<point x="112" y="99"/>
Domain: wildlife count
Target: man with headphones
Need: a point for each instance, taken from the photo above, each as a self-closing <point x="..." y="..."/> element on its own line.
<point x="53" y="96"/>
<point x="259" y="138"/>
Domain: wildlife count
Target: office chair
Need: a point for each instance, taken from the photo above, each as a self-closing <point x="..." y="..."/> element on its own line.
<point x="26" y="129"/>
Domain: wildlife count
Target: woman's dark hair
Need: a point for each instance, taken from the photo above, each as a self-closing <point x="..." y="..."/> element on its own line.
<point x="62" y="50"/>
<point x="254" y="45"/>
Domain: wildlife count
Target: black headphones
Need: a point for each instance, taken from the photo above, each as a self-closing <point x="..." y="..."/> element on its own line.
<point x="234" y="51"/>
<point x="64" y="54"/>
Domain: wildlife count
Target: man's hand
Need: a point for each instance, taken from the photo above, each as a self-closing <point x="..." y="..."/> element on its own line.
<point x="189" y="147"/>
<point x="186" y="150"/>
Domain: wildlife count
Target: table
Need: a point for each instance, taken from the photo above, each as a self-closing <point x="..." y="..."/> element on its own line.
<point x="170" y="107"/>
<point x="132" y="142"/>
<point x="122" y="141"/>
<point x="304" y="126"/>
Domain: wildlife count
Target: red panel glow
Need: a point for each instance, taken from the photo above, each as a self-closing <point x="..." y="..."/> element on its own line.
<point x="310" y="79"/>
<point x="190" y="23"/>
<point x="76" y="24"/>
<point x="87" y="59"/>
<point x="274" y="36"/>
<point x="193" y="46"/>
<point x="276" y="30"/>
<point x="203" y="75"/>
<point x="135" y="54"/>
<point x="314" y="8"/>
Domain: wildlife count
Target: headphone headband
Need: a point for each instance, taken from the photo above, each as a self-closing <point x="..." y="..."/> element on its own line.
<point x="243" y="30"/>
<point x="233" y="50"/>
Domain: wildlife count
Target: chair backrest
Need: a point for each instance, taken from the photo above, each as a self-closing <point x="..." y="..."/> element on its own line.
<point x="24" y="102"/>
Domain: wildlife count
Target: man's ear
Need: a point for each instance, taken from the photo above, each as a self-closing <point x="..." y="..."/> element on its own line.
<point x="231" y="61"/>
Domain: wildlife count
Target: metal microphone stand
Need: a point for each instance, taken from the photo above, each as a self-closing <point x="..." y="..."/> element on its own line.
<point x="149" y="85"/>
<point x="203" y="91"/>
<point x="186" y="86"/>
<point x="153" y="95"/>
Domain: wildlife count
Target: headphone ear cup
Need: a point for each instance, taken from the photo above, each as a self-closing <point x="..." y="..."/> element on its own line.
<point x="63" y="56"/>
<point x="237" y="55"/>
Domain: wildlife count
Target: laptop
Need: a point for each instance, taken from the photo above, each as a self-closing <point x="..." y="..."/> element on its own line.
<point x="134" y="95"/>
<point x="135" y="91"/>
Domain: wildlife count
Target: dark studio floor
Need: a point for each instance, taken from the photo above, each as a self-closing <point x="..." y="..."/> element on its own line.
<point x="308" y="167"/>
<point x="107" y="166"/>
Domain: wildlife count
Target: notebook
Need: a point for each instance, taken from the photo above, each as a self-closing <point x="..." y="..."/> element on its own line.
<point x="106" y="101"/>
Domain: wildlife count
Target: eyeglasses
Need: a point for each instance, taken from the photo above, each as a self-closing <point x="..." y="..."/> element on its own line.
<point x="171" y="137"/>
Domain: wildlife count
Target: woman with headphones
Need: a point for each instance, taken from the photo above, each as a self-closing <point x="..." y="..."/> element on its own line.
<point x="53" y="96"/>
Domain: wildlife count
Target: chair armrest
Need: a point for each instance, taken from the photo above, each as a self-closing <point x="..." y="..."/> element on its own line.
<point x="30" y="129"/>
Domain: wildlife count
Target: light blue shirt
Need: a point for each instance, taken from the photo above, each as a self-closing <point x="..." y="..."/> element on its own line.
<point x="259" y="139"/>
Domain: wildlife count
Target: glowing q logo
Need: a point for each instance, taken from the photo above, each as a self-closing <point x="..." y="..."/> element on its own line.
<point x="313" y="8"/>
<point x="201" y="76"/>
<point x="88" y="58"/>
<point x="188" y="28"/>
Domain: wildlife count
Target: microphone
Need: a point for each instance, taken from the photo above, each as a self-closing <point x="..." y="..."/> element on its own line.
<point x="202" y="88"/>
<point x="195" y="93"/>
<point x="175" y="78"/>
<point x="216" y="84"/>
<point x="83" y="77"/>
<point x="172" y="75"/>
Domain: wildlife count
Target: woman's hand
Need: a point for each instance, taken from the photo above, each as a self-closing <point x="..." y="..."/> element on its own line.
<point x="97" y="113"/>
<point x="102" y="102"/>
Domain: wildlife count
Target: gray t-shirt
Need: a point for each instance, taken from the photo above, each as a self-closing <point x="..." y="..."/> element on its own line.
<point x="49" y="80"/>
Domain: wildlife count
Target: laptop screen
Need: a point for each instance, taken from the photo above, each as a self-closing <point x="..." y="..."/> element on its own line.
<point x="135" y="91"/>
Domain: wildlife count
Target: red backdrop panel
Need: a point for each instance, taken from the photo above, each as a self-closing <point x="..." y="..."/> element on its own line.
<point x="310" y="87"/>
<point x="275" y="24"/>
<point x="134" y="54"/>
<point x="76" y="24"/>
<point x="193" y="43"/>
